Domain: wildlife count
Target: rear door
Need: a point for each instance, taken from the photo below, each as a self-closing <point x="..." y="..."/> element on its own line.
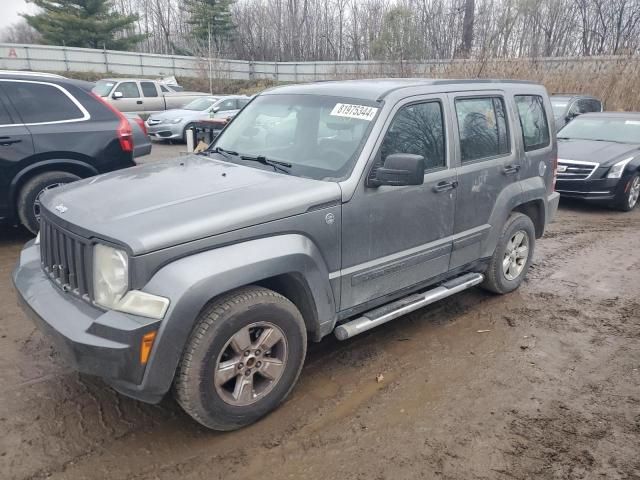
<point x="15" y="145"/>
<point x="152" y="100"/>
<point x="488" y="172"/>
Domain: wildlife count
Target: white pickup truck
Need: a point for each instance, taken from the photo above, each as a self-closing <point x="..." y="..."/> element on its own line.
<point x="142" y="96"/>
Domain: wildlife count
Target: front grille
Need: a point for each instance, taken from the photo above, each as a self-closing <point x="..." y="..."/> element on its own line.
<point x="575" y="170"/>
<point x="66" y="258"/>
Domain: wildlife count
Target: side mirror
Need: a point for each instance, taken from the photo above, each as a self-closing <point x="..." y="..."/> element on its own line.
<point x="215" y="109"/>
<point x="400" y="169"/>
<point x="117" y="95"/>
<point x="570" y="116"/>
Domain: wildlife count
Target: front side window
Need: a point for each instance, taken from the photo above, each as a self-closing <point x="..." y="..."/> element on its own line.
<point x="319" y="136"/>
<point x="149" y="89"/>
<point x="533" y="120"/>
<point x="417" y="129"/>
<point x="226" y="105"/>
<point x="482" y="127"/>
<point x="128" y="90"/>
<point x="41" y="103"/>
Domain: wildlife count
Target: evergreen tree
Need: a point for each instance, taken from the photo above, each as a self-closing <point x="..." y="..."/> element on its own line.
<point x="83" y="23"/>
<point x="210" y="17"/>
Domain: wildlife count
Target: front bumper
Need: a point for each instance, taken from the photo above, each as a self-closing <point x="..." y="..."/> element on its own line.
<point x="166" y="131"/>
<point x="105" y="344"/>
<point x="598" y="190"/>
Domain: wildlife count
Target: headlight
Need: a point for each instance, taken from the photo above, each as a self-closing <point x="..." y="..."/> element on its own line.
<point x="176" y="120"/>
<point x="110" y="275"/>
<point x="111" y="285"/>
<point x="618" y="169"/>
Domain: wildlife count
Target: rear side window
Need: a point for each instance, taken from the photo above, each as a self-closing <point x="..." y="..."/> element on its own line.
<point x="535" y="128"/>
<point x="5" y="118"/>
<point x="41" y="103"/>
<point x="149" y="89"/>
<point x="417" y="129"/>
<point x="482" y="124"/>
<point x="128" y="90"/>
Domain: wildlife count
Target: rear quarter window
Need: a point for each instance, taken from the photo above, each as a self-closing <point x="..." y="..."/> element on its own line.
<point x="533" y="120"/>
<point x="42" y="103"/>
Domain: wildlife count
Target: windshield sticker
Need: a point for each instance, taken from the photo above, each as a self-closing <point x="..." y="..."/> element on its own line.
<point x="361" y="112"/>
<point x="632" y="122"/>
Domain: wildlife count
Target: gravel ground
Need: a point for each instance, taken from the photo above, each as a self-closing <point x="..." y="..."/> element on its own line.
<point x="543" y="383"/>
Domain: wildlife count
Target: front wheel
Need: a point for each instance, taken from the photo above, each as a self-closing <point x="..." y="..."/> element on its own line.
<point x="242" y="360"/>
<point x="629" y="199"/>
<point x="512" y="256"/>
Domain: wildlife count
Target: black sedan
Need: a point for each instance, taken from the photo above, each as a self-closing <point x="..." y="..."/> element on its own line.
<point x="599" y="159"/>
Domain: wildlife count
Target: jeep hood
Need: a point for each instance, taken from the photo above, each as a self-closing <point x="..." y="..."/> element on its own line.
<point x="604" y="153"/>
<point x="161" y="204"/>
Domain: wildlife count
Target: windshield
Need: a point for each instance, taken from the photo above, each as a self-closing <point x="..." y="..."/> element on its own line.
<point x="201" y="104"/>
<point x="103" y="87"/>
<point x="610" y="129"/>
<point x="319" y="136"/>
<point x="559" y="106"/>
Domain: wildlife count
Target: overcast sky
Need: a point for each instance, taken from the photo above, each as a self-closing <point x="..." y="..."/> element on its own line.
<point x="11" y="9"/>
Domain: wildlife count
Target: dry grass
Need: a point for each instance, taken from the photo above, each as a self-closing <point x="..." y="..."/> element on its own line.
<point x="614" y="79"/>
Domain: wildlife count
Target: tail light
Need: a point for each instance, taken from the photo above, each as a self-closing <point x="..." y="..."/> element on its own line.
<point x="555" y="172"/>
<point x="123" y="132"/>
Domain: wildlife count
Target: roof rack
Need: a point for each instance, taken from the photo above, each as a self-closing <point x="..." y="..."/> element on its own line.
<point x="29" y="74"/>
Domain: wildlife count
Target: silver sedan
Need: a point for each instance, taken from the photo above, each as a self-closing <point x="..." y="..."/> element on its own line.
<point x="173" y="124"/>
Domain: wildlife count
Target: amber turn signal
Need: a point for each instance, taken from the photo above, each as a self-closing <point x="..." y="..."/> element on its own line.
<point x="145" y="346"/>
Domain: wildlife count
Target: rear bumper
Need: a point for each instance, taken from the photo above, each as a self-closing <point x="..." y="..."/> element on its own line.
<point x="95" y="342"/>
<point x="599" y="190"/>
<point x="552" y="206"/>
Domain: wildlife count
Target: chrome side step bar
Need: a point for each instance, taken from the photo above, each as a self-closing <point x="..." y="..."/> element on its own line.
<point x="405" y="305"/>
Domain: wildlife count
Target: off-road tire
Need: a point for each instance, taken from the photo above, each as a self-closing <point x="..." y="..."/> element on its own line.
<point x="623" y="202"/>
<point x="194" y="386"/>
<point x="30" y="191"/>
<point x="495" y="278"/>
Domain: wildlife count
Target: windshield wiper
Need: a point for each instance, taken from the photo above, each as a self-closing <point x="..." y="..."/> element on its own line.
<point x="225" y="153"/>
<point x="276" y="164"/>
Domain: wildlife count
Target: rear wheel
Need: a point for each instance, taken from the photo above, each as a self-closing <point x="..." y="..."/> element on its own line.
<point x="242" y="360"/>
<point x="512" y="256"/>
<point x="31" y="192"/>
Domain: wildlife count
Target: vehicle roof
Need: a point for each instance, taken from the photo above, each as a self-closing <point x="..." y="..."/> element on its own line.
<point x="45" y="77"/>
<point x="628" y="115"/>
<point x="570" y="96"/>
<point x="378" y="88"/>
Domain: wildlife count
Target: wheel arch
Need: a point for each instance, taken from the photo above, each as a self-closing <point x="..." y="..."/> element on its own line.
<point x="76" y="167"/>
<point x="534" y="209"/>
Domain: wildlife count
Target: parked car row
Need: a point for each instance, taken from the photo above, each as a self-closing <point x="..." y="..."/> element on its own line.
<point x="322" y="208"/>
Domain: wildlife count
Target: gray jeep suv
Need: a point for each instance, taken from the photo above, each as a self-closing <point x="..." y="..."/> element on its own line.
<point x="328" y="207"/>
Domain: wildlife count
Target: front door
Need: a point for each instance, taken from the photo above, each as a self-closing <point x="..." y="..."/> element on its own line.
<point x="131" y="100"/>
<point x="395" y="238"/>
<point x="488" y="172"/>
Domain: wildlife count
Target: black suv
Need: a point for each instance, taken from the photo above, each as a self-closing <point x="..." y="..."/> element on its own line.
<point x="567" y="106"/>
<point x="53" y="131"/>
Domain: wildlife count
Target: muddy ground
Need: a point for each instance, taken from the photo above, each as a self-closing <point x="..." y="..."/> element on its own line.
<point x="550" y="391"/>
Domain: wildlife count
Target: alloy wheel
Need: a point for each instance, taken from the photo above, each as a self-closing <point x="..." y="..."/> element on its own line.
<point x="516" y="255"/>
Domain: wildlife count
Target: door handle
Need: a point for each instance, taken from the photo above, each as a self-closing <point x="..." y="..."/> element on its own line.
<point x="6" y="141"/>
<point x="444" y="186"/>
<point x="509" y="169"/>
<point x="139" y="102"/>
